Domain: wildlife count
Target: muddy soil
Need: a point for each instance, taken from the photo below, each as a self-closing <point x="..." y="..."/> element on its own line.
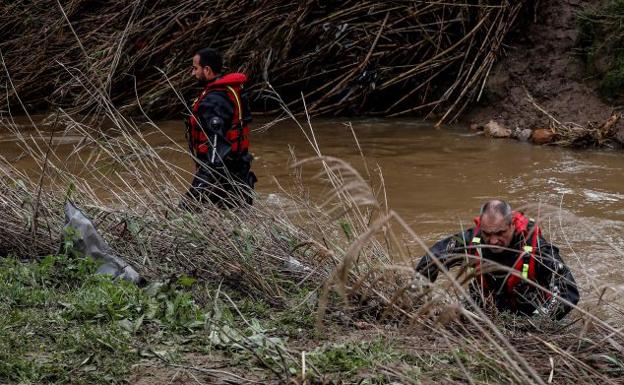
<point x="543" y="60"/>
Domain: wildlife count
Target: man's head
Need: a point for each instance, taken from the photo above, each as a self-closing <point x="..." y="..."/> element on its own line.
<point x="497" y="228"/>
<point x="207" y="64"/>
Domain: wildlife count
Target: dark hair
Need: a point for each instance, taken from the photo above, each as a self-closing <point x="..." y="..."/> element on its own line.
<point x="497" y="206"/>
<point x="211" y="58"/>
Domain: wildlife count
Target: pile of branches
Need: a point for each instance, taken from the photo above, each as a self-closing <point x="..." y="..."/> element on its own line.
<point x="570" y="134"/>
<point x="428" y="58"/>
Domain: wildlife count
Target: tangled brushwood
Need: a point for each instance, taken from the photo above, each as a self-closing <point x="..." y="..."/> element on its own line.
<point x="353" y="57"/>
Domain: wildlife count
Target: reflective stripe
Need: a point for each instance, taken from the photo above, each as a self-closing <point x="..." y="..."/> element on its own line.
<point x="476" y="240"/>
<point x="214" y="149"/>
<point x="238" y="102"/>
<point x="525" y="271"/>
<point x="241" y="141"/>
<point x="528" y="249"/>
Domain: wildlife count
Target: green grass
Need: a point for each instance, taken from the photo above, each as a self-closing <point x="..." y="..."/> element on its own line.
<point x="350" y="357"/>
<point x="601" y="40"/>
<point x="62" y="323"/>
<point x="60" y="320"/>
<point x="363" y="362"/>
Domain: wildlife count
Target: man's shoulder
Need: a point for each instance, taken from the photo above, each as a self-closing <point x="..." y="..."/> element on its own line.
<point x="215" y="98"/>
<point x="218" y="94"/>
<point x="547" y="249"/>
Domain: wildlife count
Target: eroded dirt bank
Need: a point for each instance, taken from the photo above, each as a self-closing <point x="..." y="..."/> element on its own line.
<point x="543" y="61"/>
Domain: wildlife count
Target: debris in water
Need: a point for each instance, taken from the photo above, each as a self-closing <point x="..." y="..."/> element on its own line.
<point x="495" y="130"/>
<point x="542" y="136"/>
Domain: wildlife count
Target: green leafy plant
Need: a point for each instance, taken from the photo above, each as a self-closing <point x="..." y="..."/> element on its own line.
<point x="601" y="40"/>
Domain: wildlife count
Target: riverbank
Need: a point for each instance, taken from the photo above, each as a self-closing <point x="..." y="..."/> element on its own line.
<point x="545" y="83"/>
<point x="90" y="329"/>
<point x="315" y="283"/>
<point x="541" y="71"/>
<point x="249" y="293"/>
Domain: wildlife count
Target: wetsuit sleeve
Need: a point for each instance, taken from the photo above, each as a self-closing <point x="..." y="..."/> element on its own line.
<point x="447" y="251"/>
<point x="553" y="274"/>
<point x="215" y="117"/>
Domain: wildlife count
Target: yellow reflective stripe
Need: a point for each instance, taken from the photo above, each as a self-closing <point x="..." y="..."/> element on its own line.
<point x="476" y="240"/>
<point x="238" y="102"/>
<point x="525" y="271"/>
<point x="528" y="249"/>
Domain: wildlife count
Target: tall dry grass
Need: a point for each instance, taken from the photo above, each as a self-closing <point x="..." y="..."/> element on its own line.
<point x="349" y="247"/>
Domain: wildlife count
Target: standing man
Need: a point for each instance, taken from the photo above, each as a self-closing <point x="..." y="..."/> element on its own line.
<point x="515" y="268"/>
<point x="218" y="135"/>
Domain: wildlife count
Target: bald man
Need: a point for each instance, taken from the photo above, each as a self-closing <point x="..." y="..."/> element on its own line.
<point x="514" y="267"/>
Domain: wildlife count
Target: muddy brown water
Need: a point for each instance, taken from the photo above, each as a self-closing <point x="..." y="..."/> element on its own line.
<point x="437" y="179"/>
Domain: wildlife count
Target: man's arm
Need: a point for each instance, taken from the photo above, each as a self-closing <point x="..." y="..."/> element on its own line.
<point x="553" y="274"/>
<point x="443" y="250"/>
<point x="215" y="117"/>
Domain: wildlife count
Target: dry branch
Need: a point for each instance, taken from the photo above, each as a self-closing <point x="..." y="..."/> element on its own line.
<point x="353" y="57"/>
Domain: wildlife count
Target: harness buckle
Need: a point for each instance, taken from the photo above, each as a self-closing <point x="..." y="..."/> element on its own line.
<point x="525" y="271"/>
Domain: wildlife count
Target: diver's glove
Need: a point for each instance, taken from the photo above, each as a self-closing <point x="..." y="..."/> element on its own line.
<point x="550" y="308"/>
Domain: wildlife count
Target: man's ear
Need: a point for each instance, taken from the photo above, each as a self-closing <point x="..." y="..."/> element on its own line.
<point x="208" y="72"/>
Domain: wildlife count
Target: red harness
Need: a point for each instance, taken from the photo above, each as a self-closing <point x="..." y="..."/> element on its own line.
<point x="238" y="134"/>
<point x="525" y="262"/>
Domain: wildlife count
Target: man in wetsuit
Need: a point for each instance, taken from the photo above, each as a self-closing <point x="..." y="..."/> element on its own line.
<point x="514" y="267"/>
<point x="218" y="135"/>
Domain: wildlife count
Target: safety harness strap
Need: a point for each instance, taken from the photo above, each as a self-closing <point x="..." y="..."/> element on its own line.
<point x="475" y="244"/>
<point x="526" y="264"/>
<point x="237" y="135"/>
<point x="239" y="113"/>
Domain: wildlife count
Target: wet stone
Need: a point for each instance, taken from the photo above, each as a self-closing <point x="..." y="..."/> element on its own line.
<point x="522" y="135"/>
<point x="495" y="130"/>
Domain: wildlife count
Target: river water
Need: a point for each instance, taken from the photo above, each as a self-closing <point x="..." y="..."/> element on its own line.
<point x="436" y="179"/>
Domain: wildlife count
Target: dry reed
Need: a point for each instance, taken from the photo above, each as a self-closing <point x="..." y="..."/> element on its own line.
<point x="132" y="192"/>
<point x="430" y="58"/>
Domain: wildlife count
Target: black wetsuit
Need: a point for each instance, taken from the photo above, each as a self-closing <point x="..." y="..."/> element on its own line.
<point x="550" y="273"/>
<point x="223" y="177"/>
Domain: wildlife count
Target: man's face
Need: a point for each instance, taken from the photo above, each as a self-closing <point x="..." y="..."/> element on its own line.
<point x="203" y="74"/>
<point x="496" y="232"/>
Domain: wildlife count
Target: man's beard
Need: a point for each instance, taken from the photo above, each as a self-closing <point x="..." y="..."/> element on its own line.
<point x="202" y="82"/>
